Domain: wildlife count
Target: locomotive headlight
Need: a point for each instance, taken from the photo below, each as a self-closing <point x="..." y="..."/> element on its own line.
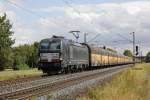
<point x="61" y="59"/>
<point x="42" y="54"/>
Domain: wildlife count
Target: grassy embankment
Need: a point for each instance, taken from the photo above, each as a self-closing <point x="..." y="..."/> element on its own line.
<point x="10" y="74"/>
<point x="132" y="84"/>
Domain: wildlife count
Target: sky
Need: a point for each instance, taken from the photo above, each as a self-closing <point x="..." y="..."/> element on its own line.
<point x="113" y="20"/>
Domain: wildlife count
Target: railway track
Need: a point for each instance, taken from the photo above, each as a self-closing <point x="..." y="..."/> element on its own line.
<point x="47" y="85"/>
<point x="20" y="80"/>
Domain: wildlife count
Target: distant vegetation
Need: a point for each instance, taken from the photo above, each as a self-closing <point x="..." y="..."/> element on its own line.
<point x="128" y="53"/>
<point x="148" y="57"/>
<point x="25" y="56"/>
<point x="21" y="57"/>
<point x="112" y="50"/>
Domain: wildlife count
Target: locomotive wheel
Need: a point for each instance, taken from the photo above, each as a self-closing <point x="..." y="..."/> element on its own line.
<point x="62" y="71"/>
<point x="66" y="70"/>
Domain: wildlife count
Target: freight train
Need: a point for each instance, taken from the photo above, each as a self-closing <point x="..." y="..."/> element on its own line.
<point x="60" y="55"/>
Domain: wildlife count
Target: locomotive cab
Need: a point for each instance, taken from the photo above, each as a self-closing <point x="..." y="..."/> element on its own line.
<point x="50" y="55"/>
<point x="59" y="55"/>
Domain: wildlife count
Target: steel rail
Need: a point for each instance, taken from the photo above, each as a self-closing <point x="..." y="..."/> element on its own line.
<point x="46" y="88"/>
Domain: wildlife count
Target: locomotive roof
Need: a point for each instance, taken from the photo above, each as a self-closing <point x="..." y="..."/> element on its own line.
<point x="54" y="38"/>
<point x="63" y="39"/>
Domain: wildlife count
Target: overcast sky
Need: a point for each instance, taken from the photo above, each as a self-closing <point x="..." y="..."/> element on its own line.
<point x="114" y="20"/>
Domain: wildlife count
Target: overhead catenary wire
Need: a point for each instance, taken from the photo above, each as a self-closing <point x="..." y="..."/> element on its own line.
<point x="76" y="10"/>
<point x="25" y="9"/>
<point x="94" y="38"/>
<point x="124" y="37"/>
<point x="68" y="4"/>
<point x="29" y="11"/>
<point x="40" y="16"/>
<point x="80" y="14"/>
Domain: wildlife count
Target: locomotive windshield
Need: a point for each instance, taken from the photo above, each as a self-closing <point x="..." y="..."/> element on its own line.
<point x="50" y="45"/>
<point x="54" y="46"/>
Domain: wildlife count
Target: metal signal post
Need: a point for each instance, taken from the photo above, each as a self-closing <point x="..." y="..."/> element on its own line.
<point x="133" y="33"/>
<point x="85" y="37"/>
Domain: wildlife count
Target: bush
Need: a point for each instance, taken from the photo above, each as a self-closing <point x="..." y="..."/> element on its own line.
<point x="21" y="67"/>
<point x="148" y="57"/>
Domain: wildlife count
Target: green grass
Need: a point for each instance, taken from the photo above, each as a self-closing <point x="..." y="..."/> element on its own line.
<point x="10" y="74"/>
<point x="132" y="84"/>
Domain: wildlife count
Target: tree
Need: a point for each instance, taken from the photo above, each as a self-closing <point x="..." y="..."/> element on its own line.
<point x="148" y="57"/>
<point x="35" y="54"/>
<point x="26" y="56"/>
<point x="6" y="56"/>
<point x="109" y="49"/>
<point x="128" y="53"/>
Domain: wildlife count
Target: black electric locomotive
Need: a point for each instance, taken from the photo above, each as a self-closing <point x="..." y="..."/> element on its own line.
<point x="58" y="54"/>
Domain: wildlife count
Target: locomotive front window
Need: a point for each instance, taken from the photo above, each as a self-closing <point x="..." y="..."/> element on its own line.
<point x="50" y="45"/>
<point x="44" y="45"/>
<point x="55" y="46"/>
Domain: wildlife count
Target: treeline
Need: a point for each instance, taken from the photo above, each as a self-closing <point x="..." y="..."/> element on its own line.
<point x="21" y="57"/>
<point x="148" y="57"/>
<point x="25" y="56"/>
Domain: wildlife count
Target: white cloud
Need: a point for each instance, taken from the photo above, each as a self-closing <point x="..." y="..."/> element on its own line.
<point x="108" y="19"/>
<point x="16" y="1"/>
<point x="2" y="8"/>
<point x="49" y="9"/>
<point x="12" y="16"/>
